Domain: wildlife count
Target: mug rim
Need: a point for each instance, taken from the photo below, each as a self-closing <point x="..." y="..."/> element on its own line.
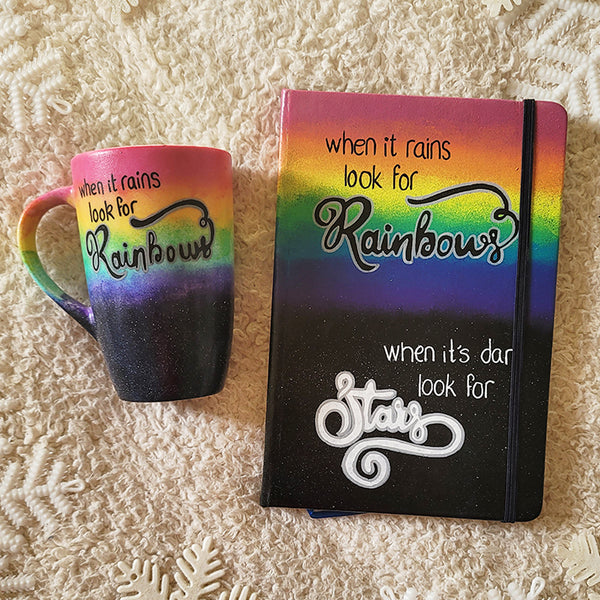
<point x="150" y="147"/>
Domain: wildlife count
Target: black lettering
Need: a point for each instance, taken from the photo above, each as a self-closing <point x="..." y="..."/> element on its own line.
<point x="369" y="242"/>
<point x="333" y="145"/>
<point x="342" y="224"/>
<point x="115" y="259"/>
<point x="445" y="152"/>
<point x="109" y="210"/>
<point x="91" y="189"/>
<point x="139" y="259"/>
<point x="445" y="245"/>
<point x="348" y="145"/>
<point x="425" y="239"/>
<point x="145" y="181"/>
<point x="346" y="141"/>
<point x="469" y="247"/>
<point x="341" y="228"/>
<point x="155" y="251"/>
<point x="96" y="250"/>
<point x="428" y="149"/>
<point x="402" y="245"/>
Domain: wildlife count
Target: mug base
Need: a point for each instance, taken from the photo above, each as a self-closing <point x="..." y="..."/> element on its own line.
<point x="192" y="395"/>
<point x="162" y="351"/>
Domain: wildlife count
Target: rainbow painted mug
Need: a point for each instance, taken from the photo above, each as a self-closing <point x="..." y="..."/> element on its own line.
<point x="156" y="230"/>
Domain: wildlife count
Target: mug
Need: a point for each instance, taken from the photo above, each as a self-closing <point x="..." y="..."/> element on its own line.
<point x="156" y="231"/>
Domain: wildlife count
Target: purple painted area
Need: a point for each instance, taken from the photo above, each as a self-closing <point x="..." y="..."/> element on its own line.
<point x="138" y="287"/>
<point x="474" y="289"/>
<point x="169" y="339"/>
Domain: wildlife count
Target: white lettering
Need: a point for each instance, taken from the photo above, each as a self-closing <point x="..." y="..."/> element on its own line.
<point x="354" y="406"/>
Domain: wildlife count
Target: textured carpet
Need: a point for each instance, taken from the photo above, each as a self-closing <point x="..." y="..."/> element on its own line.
<point x="88" y="481"/>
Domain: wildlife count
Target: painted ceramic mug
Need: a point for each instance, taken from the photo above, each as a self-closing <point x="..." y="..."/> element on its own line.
<point x="156" y="230"/>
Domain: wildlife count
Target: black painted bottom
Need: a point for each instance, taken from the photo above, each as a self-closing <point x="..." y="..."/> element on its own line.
<point x="309" y="348"/>
<point x="164" y="348"/>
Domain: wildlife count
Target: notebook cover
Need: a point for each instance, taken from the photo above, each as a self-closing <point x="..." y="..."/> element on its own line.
<point x="393" y="303"/>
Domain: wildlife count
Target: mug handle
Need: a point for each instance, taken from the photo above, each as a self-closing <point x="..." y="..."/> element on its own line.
<point x="28" y="224"/>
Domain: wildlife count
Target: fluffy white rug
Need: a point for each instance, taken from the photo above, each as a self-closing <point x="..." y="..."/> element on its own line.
<point x="149" y="481"/>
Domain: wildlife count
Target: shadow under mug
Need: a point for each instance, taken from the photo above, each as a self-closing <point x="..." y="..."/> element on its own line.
<point x="156" y="231"/>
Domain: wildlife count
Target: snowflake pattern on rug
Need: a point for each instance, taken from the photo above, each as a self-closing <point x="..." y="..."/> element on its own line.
<point x="495" y="6"/>
<point x="582" y="559"/>
<point x="198" y="577"/>
<point x="514" y="590"/>
<point x="13" y="584"/>
<point x="564" y="44"/>
<point x="31" y="78"/>
<point x="119" y="7"/>
<point x="23" y="497"/>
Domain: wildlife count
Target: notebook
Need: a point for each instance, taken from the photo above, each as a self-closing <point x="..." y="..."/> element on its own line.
<point x="413" y="302"/>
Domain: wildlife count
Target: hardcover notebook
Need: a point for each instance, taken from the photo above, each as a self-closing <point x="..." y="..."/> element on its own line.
<point x="413" y="303"/>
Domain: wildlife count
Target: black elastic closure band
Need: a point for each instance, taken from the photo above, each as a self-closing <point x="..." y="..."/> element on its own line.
<point x="521" y="297"/>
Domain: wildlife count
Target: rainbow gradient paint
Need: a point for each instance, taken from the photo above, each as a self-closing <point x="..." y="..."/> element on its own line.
<point x="396" y="252"/>
<point x="481" y="143"/>
<point x="156" y="230"/>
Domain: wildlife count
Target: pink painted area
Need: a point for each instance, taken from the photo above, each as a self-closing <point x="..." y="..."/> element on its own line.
<point x="551" y="127"/>
<point x="386" y="108"/>
<point x="457" y="117"/>
<point x="174" y="165"/>
<point x="168" y="174"/>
